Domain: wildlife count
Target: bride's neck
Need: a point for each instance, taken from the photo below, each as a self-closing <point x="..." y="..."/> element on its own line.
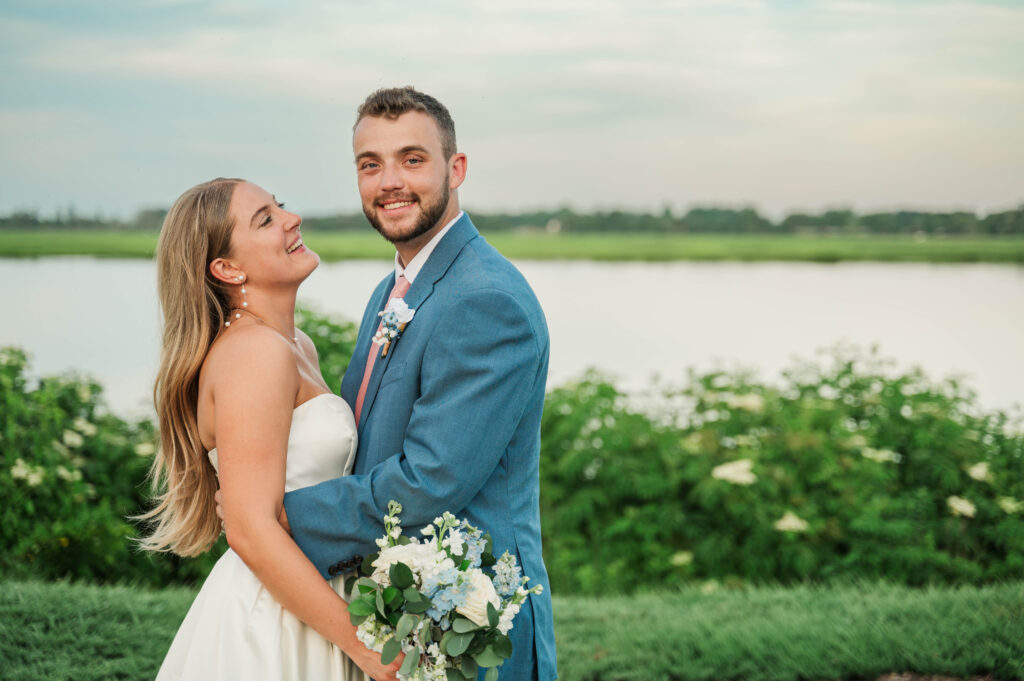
<point x="278" y="308"/>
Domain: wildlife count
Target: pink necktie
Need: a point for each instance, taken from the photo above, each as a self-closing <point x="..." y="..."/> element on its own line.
<point x="400" y="289"/>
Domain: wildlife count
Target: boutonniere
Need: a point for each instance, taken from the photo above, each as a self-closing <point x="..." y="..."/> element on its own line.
<point x="394" y="317"/>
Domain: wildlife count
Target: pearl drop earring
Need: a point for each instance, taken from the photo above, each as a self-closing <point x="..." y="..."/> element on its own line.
<point x="245" y="303"/>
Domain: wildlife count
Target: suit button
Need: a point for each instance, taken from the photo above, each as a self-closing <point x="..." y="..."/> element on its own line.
<point x="333" y="570"/>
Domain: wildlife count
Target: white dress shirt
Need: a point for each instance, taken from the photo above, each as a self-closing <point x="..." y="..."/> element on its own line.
<point x="413" y="268"/>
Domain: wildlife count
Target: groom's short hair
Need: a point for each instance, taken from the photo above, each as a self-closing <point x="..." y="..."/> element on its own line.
<point x="392" y="102"/>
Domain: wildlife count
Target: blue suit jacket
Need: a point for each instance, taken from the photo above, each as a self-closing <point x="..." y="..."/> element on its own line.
<point x="450" y="421"/>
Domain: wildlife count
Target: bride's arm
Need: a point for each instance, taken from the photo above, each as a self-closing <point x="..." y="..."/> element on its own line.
<point x="255" y="384"/>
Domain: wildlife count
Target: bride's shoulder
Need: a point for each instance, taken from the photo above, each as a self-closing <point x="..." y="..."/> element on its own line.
<point x="250" y="354"/>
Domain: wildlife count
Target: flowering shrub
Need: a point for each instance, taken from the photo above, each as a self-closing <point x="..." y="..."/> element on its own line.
<point x="847" y="469"/>
<point x="71" y="475"/>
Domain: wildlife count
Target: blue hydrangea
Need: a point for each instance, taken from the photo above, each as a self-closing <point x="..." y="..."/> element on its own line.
<point x="507" y="575"/>
<point x="475" y="544"/>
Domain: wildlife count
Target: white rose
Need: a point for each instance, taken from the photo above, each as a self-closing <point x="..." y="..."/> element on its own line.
<point x="475" y="607"/>
<point x="403" y="313"/>
<point x="412" y="555"/>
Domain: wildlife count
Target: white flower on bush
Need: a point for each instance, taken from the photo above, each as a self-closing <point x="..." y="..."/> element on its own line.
<point x="790" y="522"/>
<point x="961" y="507"/>
<point x="980" y="472"/>
<point x="482" y="592"/>
<point x="70" y="476"/>
<point x="737" y="472"/>
<point x="73" y="439"/>
<point x="880" y="455"/>
<point x="681" y="558"/>
<point x="1010" y="505"/>
<point x="747" y="402"/>
<point x="145" y="449"/>
<point x="84" y="427"/>
<point x="20" y="470"/>
<point x="32" y="475"/>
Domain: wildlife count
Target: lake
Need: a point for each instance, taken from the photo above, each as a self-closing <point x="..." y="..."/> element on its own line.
<point x="630" y="320"/>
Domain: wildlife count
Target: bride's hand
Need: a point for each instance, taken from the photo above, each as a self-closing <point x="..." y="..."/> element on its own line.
<point x="369" y="662"/>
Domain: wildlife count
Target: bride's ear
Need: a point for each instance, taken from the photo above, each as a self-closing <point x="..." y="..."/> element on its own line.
<point x="224" y="270"/>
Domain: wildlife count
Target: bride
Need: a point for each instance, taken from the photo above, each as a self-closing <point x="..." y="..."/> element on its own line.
<point x="239" y="396"/>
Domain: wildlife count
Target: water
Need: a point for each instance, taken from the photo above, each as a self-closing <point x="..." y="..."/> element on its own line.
<point x="630" y="320"/>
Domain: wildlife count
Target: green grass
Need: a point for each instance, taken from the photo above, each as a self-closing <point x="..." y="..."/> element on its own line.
<point x="69" y="631"/>
<point x="334" y="246"/>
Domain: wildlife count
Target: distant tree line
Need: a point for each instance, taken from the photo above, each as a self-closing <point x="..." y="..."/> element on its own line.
<point x="708" y="220"/>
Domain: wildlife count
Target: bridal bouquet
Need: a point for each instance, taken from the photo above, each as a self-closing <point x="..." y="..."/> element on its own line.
<point x="432" y="600"/>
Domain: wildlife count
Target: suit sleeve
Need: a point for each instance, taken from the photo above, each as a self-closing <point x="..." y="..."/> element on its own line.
<point x="480" y="365"/>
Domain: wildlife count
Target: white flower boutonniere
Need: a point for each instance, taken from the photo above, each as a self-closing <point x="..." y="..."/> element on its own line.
<point x="393" y="320"/>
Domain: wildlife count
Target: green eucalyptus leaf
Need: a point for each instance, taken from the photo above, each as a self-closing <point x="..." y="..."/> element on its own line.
<point x="367" y="565"/>
<point x="502" y="645"/>
<point x="406" y="624"/>
<point x="412" y="660"/>
<point x="461" y="625"/>
<point x="492" y="615"/>
<point x="487" y="658"/>
<point x="391" y="650"/>
<point x="492" y="674"/>
<point x="459" y="643"/>
<point x="470" y="669"/>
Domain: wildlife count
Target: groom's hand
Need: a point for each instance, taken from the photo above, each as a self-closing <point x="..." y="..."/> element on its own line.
<point x="283" y="518"/>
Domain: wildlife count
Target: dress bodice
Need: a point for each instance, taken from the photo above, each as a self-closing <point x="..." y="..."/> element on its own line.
<point x="321" y="443"/>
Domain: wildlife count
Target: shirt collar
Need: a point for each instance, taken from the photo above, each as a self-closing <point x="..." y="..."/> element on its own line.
<point x="413" y="268"/>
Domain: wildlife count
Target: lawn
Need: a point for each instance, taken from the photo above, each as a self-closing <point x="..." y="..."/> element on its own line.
<point x="334" y="246"/>
<point x="83" y="632"/>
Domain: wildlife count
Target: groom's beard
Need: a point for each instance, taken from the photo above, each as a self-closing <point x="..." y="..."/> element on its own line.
<point x="430" y="215"/>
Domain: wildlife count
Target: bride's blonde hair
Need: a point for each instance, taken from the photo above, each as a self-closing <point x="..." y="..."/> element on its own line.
<point x="194" y="304"/>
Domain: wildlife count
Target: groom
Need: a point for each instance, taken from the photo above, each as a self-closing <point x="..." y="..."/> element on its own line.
<point x="449" y="416"/>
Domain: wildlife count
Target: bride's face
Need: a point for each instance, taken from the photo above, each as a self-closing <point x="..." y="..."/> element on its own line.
<point x="266" y="244"/>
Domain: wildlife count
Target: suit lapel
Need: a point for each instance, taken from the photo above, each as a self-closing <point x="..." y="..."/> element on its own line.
<point x="437" y="265"/>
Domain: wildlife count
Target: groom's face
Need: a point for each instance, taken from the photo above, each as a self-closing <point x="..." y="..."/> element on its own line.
<point x="405" y="182"/>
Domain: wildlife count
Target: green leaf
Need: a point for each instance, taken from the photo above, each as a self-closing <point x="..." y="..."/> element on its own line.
<point x="487" y="658"/>
<point x="406" y="624"/>
<point x="415" y="602"/>
<point x="390" y="594"/>
<point x="391" y="650"/>
<point x="366" y="585"/>
<point x="350" y="584"/>
<point x="502" y="645"/>
<point x="379" y="602"/>
<point x="470" y="669"/>
<point x="403" y="540"/>
<point x="492" y="674"/>
<point x="356" y="619"/>
<point x="492" y="615"/>
<point x="453" y="674"/>
<point x="360" y="606"/>
<point x="445" y="639"/>
<point x="461" y="625"/>
<point x="367" y="566"/>
<point x="458" y="644"/>
<point x="412" y="660"/>
<point x="401" y="575"/>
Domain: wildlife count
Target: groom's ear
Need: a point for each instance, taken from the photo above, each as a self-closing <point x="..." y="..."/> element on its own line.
<point x="456" y="170"/>
<point x="224" y="270"/>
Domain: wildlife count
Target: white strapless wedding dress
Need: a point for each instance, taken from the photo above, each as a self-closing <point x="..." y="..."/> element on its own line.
<point x="235" y="629"/>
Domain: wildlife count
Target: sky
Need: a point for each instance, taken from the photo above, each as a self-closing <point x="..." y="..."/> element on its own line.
<point x="786" y="106"/>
